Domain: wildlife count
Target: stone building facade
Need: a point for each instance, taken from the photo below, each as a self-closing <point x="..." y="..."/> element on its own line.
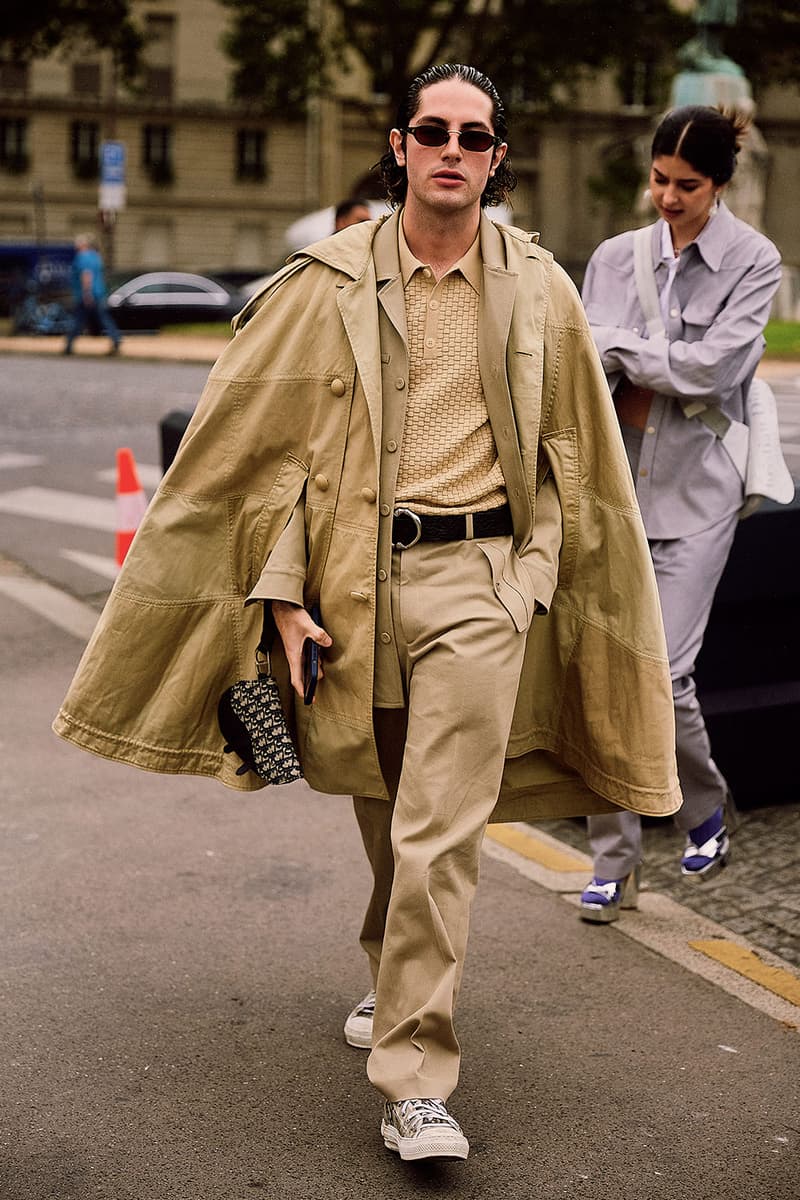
<point x="213" y="184"/>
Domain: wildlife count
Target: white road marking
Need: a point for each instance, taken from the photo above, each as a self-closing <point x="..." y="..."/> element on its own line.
<point x="63" y="610"/>
<point x="105" y="567"/>
<point x="68" y="508"/>
<point x="11" y="460"/>
<point x="150" y="476"/>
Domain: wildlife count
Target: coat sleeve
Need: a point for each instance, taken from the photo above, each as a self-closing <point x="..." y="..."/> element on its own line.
<point x="284" y="573"/>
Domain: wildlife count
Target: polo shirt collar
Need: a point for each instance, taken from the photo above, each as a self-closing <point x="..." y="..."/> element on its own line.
<point x="470" y="265"/>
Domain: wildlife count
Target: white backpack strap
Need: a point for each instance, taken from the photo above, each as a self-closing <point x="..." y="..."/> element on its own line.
<point x="646" y="280"/>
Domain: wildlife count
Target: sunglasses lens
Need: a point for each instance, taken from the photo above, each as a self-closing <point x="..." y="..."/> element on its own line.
<point x="430" y="135"/>
<point x="475" y="139"/>
<point x="434" y="135"/>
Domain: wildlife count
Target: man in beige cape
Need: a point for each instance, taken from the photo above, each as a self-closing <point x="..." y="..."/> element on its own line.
<point x="411" y="428"/>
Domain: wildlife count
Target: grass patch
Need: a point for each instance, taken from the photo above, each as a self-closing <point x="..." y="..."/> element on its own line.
<point x="783" y="339"/>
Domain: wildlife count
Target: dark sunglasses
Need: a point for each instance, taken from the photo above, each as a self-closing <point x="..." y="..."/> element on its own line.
<point x="477" y="140"/>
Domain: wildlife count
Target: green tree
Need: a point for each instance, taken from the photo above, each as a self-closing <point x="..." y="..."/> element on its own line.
<point x="285" y="49"/>
<point x="535" y="49"/>
<point x="35" y="28"/>
<point x="765" y="42"/>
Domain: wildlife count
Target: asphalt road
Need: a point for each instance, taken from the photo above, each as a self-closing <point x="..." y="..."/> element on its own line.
<point x="176" y="960"/>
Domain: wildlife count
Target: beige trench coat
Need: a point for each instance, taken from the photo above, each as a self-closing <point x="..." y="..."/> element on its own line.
<point x="293" y="410"/>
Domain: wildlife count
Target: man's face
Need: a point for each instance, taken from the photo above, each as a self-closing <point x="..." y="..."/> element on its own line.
<point x="448" y="178"/>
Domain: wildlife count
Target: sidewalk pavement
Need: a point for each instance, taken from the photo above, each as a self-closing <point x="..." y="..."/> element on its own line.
<point x="200" y="348"/>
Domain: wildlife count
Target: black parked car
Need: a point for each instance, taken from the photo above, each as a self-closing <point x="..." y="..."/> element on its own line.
<point x="172" y="298"/>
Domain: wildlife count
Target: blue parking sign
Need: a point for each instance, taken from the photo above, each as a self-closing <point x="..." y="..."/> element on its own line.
<point x="112" y="175"/>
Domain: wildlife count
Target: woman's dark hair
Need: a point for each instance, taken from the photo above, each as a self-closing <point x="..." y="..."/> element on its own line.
<point x="395" y="178"/>
<point x="707" y="138"/>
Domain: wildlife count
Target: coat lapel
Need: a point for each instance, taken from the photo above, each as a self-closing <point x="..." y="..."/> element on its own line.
<point x="359" y="314"/>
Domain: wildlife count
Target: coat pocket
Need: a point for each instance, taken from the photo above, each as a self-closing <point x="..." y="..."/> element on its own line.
<point x="561" y="448"/>
<point x="512" y="584"/>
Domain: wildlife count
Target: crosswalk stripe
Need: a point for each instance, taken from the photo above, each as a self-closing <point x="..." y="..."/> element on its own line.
<point x="68" y="508"/>
<point x="63" y="610"/>
<point x="106" y="567"/>
<point x="10" y="460"/>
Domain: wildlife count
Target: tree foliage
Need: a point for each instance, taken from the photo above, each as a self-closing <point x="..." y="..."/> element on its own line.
<point x="766" y="42"/>
<point x="35" y="28"/>
<point x="534" y="49"/>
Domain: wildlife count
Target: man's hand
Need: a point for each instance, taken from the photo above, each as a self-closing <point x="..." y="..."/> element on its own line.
<point x="295" y="625"/>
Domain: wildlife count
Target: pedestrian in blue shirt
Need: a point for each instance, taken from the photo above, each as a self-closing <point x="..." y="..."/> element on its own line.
<point x="715" y="278"/>
<point x="89" y="294"/>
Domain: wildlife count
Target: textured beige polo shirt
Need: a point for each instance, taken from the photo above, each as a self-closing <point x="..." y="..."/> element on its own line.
<point x="448" y="458"/>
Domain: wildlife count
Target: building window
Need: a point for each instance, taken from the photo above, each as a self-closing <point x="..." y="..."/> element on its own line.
<point x="637" y="83"/>
<point x="85" y="149"/>
<point x="14" y="145"/>
<point x="159" y="56"/>
<point x="251" y="163"/>
<point x="157" y="153"/>
<point x="86" y="79"/>
<point x="13" y="76"/>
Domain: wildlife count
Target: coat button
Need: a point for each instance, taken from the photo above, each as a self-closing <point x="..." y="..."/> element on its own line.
<point x="386" y="638"/>
<point x="391" y="445"/>
<point x="337" y="387"/>
<point x="359" y="596"/>
<point x="369" y="494"/>
<point x="382" y="575"/>
<point x="385" y="510"/>
<point x="321" y="482"/>
<point x="399" y="384"/>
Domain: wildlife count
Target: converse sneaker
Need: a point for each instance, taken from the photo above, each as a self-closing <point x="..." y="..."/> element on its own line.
<point x="417" y="1129"/>
<point x="358" y="1026"/>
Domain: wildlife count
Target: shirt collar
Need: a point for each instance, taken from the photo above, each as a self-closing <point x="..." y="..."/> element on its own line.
<point x="470" y="265"/>
<point x="710" y="242"/>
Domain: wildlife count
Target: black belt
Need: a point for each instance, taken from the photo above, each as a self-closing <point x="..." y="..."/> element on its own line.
<point x="408" y="527"/>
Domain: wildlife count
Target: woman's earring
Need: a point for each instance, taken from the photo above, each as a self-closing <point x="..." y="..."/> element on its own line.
<point x="715" y="206"/>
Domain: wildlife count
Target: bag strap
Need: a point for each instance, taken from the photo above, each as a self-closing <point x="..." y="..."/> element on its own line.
<point x="264" y="647"/>
<point x="713" y="418"/>
<point x="646" y="280"/>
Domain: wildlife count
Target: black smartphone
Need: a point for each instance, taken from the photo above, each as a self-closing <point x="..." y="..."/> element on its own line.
<point x="311" y="653"/>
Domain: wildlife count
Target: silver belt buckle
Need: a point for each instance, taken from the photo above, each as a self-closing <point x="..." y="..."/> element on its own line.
<point x="406" y="512"/>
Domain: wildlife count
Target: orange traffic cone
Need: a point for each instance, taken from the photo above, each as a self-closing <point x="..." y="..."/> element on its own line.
<point x="131" y="502"/>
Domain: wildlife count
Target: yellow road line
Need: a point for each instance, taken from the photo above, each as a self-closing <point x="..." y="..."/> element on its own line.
<point x="747" y="962"/>
<point x="534" y="848"/>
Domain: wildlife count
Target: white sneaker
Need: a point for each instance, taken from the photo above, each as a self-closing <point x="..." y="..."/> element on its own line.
<point x="417" y="1129"/>
<point x="358" y="1026"/>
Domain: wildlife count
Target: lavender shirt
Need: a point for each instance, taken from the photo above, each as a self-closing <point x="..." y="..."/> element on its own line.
<point x="719" y="303"/>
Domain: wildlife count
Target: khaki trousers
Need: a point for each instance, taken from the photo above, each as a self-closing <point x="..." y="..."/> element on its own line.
<point x="461" y="656"/>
